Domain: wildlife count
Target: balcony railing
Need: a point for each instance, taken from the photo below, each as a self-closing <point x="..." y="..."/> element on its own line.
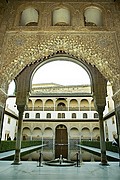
<point x="71" y="108"/>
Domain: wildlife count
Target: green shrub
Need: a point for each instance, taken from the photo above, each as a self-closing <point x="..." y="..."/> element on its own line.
<point x="10" y="145"/>
<point x="96" y="144"/>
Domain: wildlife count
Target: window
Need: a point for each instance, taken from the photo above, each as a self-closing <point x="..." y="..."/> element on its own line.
<point x="37" y="115"/>
<point x="73" y="115"/>
<point x="26" y="115"/>
<point x="84" y="115"/>
<point x="29" y="17"/>
<point x="9" y="120"/>
<point x="95" y="115"/>
<point x="61" y="115"/>
<point x="48" y="115"/>
<point x="61" y="17"/>
<point x="113" y="122"/>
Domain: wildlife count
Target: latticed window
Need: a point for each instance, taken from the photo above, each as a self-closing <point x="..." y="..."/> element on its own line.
<point x="48" y="115"/>
<point x="63" y="115"/>
<point x="59" y="115"/>
<point x="73" y="115"/>
<point x="84" y="115"/>
<point x="95" y="115"/>
<point x="26" y="115"/>
<point x="37" y="115"/>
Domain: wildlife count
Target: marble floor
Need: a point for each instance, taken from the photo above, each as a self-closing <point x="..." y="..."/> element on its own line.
<point x="87" y="170"/>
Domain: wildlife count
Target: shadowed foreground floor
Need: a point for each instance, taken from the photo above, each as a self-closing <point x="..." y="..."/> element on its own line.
<point x="87" y="170"/>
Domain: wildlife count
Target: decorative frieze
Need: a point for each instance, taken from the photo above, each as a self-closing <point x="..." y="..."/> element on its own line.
<point x="22" y="49"/>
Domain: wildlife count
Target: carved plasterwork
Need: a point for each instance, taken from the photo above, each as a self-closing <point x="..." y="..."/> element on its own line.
<point x="3" y="97"/>
<point x="22" y="49"/>
<point x="116" y="98"/>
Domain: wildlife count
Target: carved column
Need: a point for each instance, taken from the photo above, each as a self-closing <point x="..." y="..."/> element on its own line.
<point x="100" y="93"/>
<point x="19" y="135"/>
<point x="102" y="136"/>
<point x="22" y="95"/>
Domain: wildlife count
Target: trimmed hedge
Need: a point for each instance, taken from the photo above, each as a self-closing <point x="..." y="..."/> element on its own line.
<point x="10" y="145"/>
<point x="96" y="144"/>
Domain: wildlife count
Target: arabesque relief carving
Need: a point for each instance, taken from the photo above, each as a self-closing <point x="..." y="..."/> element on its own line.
<point x="22" y="49"/>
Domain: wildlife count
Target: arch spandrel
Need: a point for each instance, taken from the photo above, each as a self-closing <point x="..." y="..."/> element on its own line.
<point x="23" y="49"/>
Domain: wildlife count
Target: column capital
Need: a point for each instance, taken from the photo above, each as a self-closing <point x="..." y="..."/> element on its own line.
<point x="21" y="108"/>
<point x="100" y="108"/>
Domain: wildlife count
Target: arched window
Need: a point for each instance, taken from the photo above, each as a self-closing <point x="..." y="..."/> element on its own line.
<point x="37" y="115"/>
<point x="63" y="115"/>
<point x="59" y="115"/>
<point x="93" y="16"/>
<point x="26" y="115"/>
<point x="61" y="17"/>
<point x="95" y="115"/>
<point x="48" y="115"/>
<point x="73" y="115"/>
<point x="84" y="115"/>
<point x="29" y="17"/>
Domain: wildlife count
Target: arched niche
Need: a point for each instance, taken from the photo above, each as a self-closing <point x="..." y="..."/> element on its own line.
<point x="26" y="133"/>
<point x="96" y="133"/>
<point x="49" y="105"/>
<point x="48" y="132"/>
<point x="93" y="16"/>
<point x="36" y="134"/>
<point x="74" y="133"/>
<point x="73" y="106"/>
<point x="85" y="133"/>
<point x="29" y="17"/>
<point x="38" y="104"/>
<point x="84" y="105"/>
<point x="61" y="104"/>
<point x="61" y="17"/>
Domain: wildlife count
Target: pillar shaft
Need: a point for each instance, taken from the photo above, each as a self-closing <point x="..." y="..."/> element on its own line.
<point x="19" y="136"/>
<point x="102" y="140"/>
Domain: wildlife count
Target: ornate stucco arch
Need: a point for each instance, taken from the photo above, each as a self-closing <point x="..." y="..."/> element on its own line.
<point x="24" y="49"/>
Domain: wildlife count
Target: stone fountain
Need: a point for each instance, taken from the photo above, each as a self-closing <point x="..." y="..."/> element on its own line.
<point x="60" y="162"/>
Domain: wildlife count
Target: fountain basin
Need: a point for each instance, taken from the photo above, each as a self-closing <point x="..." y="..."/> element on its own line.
<point x="57" y="162"/>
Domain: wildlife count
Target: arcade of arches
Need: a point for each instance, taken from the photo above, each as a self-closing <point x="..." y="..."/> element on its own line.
<point x="29" y="42"/>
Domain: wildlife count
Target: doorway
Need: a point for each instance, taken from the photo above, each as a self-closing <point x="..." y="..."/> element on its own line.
<point x="61" y="141"/>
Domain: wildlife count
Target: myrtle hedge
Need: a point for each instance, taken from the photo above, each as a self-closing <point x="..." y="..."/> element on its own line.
<point x="96" y="144"/>
<point x="10" y="145"/>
